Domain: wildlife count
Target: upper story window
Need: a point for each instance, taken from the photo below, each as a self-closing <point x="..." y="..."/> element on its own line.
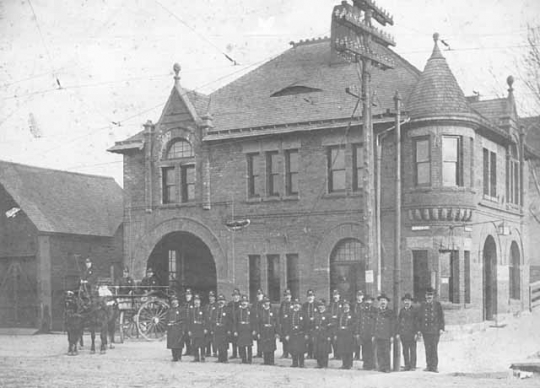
<point x="452" y="171"/>
<point x="174" y="192"/>
<point x="336" y="169"/>
<point x="358" y="163"/>
<point x="253" y="161"/>
<point x="273" y="179"/>
<point x="422" y="162"/>
<point x="490" y="173"/>
<point x="169" y="185"/>
<point x="180" y="148"/>
<point x="291" y="172"/>
<point x="187" y="183"/>
<point x="512" y="177"/>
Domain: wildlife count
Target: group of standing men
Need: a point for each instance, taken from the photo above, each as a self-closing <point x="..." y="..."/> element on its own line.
<point x="350" y="331"/>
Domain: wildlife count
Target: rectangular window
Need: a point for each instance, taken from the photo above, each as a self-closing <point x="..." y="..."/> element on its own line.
<point x="490" y="173"/>
<point x="449" y="274"/>
<point x="513" y="182"/>
<point x="422" y="162"/>
<point x="168" y="185"/>
<point x="293" y="275"/>
<point x="467" y="274"/>
<point x="254" y="275"/>
<point x="336" y="169"/>
<point x="451" y="152"/>
<point x="273" y="278"/>
<point x="273" y="179"/>
<point x="173" y="274"/>
<point x="421" y="274"/>
<point x="291" y="170"/>
<point x="253" y="175"/>
<point x="188" y="183"/>
<point x="358" y="163"/>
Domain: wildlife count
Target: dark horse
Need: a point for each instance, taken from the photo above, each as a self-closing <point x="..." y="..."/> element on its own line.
<point x="97" y="315"/>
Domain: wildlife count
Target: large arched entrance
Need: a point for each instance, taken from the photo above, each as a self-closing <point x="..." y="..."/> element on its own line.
<point x="347" y="268"/>
<point x="490" y="278"/>
<point x="183" y="260"/>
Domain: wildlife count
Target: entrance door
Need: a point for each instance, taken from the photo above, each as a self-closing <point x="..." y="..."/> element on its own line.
<point x="347" y="269"/>
<point x="18" y="292"/>
<point x="421" y="274"/>
<point x="490" y="279"/>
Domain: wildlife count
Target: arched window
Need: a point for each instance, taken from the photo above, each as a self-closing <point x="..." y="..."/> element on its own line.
<point x="347" y="268"/>
<point x="515" y="284"/>
<point x="180" y="148"/>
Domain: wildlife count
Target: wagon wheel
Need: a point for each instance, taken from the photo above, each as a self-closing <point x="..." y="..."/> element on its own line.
<point x="127" y="325"/>
<point x="152" y="319"/>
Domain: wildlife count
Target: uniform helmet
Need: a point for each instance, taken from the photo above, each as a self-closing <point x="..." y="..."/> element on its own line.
<point x="310" y="293"/>
<point x="212" y="293"/>
<point x="236" y="291"/>
<point x="335" y="292"/>
<point x="197" y="297"/>
<point x="221" y="297"/>
<point x="287" y="292"/>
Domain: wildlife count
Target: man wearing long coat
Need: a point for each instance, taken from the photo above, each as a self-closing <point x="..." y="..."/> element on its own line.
<point x="245" y="328"/>
<point x="285" y="309"/>
<point x="430" y="323"/>
<point x="295" y="330"/>
<point x="364" y="332"/>
<point x="176" y="325"/>
<point x="322" y="335"/>
<point x="221" y="327"/>
<point x="197" y="329"/>
<point x="344" y="336"/>
<point x="407" y="332"/>
<point x="384" y="332"/>
<point x="267" y="332"/>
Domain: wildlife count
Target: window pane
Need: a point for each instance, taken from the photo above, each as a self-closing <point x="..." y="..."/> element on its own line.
<point x="337" y="161"/>
<point x="253" y="174"/>
<point x="359" y="177"/>
<point x="422" y="150"/>
<point x="293" y="161"/>
<point x="493" y="174"/>
<point x="293" y="189"/>
<point x="486" y="172"/>
<point x="358" y="156"/>
<point x="293" y="275"/>
<point x="347" y="250"/>
<point x="190" y="174"/>
<point x="273" y="278"/>
<point x="254" y="275"/>
<point x="423" y="173"/>
<point x="450" y="149"/>
<point x="180" y="149"/>
<point x="449" y="174"/>
<point x="338" y="180"/>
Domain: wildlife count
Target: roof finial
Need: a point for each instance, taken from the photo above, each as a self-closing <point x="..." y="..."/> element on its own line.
<point x="436" y="37"/>
<point x="510" y="82"/>
<point x="176" y="69"/>
<point x="436" y="51"/>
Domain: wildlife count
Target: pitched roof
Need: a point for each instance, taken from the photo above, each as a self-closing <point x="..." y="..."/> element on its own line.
<point x="437" y="93"/>
<point x="531" y="127"/>
<point x="65" y="202"/>
<point x="263" y="96"/>
<point x="492" y="110"/>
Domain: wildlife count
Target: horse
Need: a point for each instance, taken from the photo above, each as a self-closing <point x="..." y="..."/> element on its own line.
<point x="98" y="314"/>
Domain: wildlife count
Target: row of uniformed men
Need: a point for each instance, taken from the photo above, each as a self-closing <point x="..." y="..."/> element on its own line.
<point x="313" y="328"/>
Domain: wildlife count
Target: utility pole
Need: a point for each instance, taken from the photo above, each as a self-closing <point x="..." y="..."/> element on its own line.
<point x="358" y="41"/>
<point x="397" y="232"/>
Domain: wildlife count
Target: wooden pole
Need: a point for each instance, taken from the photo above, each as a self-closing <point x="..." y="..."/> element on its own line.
<point x="397" y="244"/>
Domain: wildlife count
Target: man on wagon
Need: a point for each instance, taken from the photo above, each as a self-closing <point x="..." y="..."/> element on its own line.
<point x="88" y="279"/>
<point x="150" y="281"/>
<point x="125" y="283"/>
<point x="176" y="326"/>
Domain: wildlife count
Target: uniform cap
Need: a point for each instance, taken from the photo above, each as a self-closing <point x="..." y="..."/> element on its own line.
<point x="221" y="297"/>
<point x="310" y="293"/>
<point x="266" y="300"/>
<point x="346" y="302"/>
<point x="259" y="292"/>
<point x="212" y="293"/>
<point x="359" y="292"/>
<point x="236" y="291"/>
<point x="335" y="292"/>
<point x="407" y="296"/>
<point x="196" y="297"/>
<point x="126" y="269"/>
<point x="430" y="290"/>
<point x="321" y="302"/>
<point x="174" y="298"/>
<point x="297" y="302"/>
<point x="287" y="292"/>
<point x="149" y="269"/>
<point x="383" y="296"/>
<point x="88" y="260"/>
<point x="188" y="291"/>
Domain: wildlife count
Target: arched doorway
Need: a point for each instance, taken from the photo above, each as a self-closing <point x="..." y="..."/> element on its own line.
<point x="490" y="278"/>
<point x="347" y="268"/>
<point x="183" y="260"/>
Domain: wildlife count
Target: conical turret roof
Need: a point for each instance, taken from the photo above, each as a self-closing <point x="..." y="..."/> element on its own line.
<point x="437" y="92"/>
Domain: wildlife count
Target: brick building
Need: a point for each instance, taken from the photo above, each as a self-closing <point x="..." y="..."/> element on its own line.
<point x="50" y="222"/>
<point x="259" y="185"/>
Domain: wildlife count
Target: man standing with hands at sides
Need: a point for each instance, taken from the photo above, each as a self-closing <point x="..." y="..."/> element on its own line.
<point x="322" y="335"/>
<point x="357" y="311"/>
<point x="344" y="336"/>
<point x="220" y="324"/>
<point x="296" y="333"/>
<point x="364" y="332"/>
<point x="309" y="312"/>
<point x="233" y="307"/>
<point x="175" y="328"/>
<point x="430" y="324"/>
<point x="335" y="309"/>
<point x="407" y="332"/>
<point x="197" y="329"/>
<point x="245" y="329"/>
<point x="284" y="311"/>
<point x="258" y="308"/>
<point x="384" y="331"/>
<point x="268" y="331"/>
<point x="188" y="305"/>
<point x="208" y="310"/>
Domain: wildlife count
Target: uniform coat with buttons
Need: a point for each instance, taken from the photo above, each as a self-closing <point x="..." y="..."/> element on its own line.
<point x="176" y="325"/>
<point x="345" y="333"/>
<point x="322" y="334"/>
<point x="245" y="323"/>
<point x="366" y="321"/>
<point x="407" y="323"/>
<point x="220" y="325"/>
<point x="430" y="318"/>
<point x="197" y="326"/>
<point x="268" y="328"/>
<point x="296" y="329"/>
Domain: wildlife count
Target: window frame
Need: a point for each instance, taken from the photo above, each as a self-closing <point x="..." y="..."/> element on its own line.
<point x="273" y="277"/>
<point x="180" y="140"/>
<point x="185" y="185"/>
<point x="290" y="174"/>
<point x="489" y="173"/>
<point x="253" y="174"/>
<point x="331" y="168"/>
<point x="417" y="140"/>
<point x="272" y="174"/>
<point x="458" y="178"/>
<point x="166" y="185"/>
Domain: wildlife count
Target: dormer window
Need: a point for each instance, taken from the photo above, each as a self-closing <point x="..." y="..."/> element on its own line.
<point x="180" y="148"/>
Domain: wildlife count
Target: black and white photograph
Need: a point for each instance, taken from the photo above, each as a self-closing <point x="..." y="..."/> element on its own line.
<point x="269" y="193"/>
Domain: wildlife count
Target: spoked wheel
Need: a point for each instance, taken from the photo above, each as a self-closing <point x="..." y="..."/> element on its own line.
<point x="127" y="325"/>
<point x="152" y="319"/>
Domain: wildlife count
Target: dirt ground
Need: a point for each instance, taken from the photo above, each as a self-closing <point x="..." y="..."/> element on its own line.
<point x="480" y="359"/>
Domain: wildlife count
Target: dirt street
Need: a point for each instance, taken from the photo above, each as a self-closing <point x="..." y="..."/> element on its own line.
<point x="41" y="361"/>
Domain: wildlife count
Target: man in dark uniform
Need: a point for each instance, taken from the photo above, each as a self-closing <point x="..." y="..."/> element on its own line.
<point x="295" y="329"/>
<point x="150" y="281"/>
<point x="335" y="309"/>
<point x="357" y="311"/>
<point x="176" y="325"/>
<point x="209" y="308"/>
<point x="125" y="283"/>
<point x="384" y="332"/>
<point x="88" y="279"/>
<point x="245" y="329"/>
<point x="322" y="334"/>
<point x="267" y="332"/>
<point x="407" y="332"/>
<point x="188" y="305"/>
<point x="197" y="329"/>
<point x="344" y="335"/>
<point x="258" y="308"/>
<point x="309" y="309"/>
<point x="430" y="324"/>
<point x="233" y="307"/>
<point x="284" y="312"/>
<point x="364" y="332"/>
<point x="221" y="327"/>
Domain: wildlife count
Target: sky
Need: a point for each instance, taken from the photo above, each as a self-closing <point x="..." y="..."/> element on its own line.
<point x="76" y="75"/>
